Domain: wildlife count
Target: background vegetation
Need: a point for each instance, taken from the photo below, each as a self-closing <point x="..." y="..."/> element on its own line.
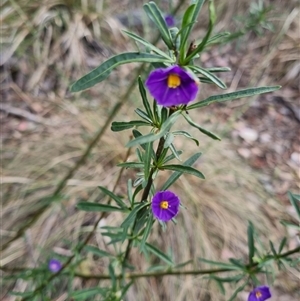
<point x="45" y="130"/>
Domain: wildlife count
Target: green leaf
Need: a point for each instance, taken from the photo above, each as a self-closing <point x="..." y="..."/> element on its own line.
<point x="129" y="192"/>
<point x="251" y="248"/>
<point x="171" y="157"/>
<point x="102" y="72"/>
<point x="201" y="46"/>
<point x="159" y="253"/>
<point x="187" y="23"/>
<point x="239" y="289"/>
<point x="113" y="196"/>
<point x="201" y="129"/>
<point x="187" y="135"/>
<point x="147" y="159"/>
<point x="169" y="140"/>
<point x="237" y="263"/>
<point x="228" y="279"/>
<point x="293" y="199"/>
<point x="113" y="278"/>
<point x="184" y="169"/>
<point x="209" y="75"/>
<point x="143" y="115"/>
<point x="233" y="95"/>
<point x="218" y="69"/>
<point x="131" y="216"/>
<point x="216" y="38"/>
<point x="125" y="289"/>
<point x="147" y="44"/>
<point x="174" y="151"/>
<point x="175" y="176"/>
<point x="282" y="244"/>
<point x="136" y="191"/>
<point x="121" y="126"/>
<point x="95" y="207"/>
<point x="183" y="264"/>
<point x="272" y="248"/>
<point x="191" y="16"/>
<point x="84" y="294"/>
<point x="156" y="16"/>
<point x="98" y="252"/>
<point x="145" y="99"/>
<point x="147" y="230"/>
<point x="131" y="165"/>
<point x="152" y="137"/>
<point x="219" y="264"/>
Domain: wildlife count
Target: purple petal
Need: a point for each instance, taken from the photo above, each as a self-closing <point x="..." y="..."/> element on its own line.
<point x="260" y="293"/>
<point x="170" y="20"/>
<point x="54" y="265"/>
<point x="157" y="84"/>
<point x="173" y="203"/>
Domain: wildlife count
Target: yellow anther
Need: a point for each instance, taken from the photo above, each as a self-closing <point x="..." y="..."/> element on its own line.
<point x="164" y="205"/>
<point x="258" y="294"/>
<point x="173" y="81"/>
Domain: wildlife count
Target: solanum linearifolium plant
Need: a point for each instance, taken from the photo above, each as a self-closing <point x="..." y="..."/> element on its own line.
<point x="173" y="86"/>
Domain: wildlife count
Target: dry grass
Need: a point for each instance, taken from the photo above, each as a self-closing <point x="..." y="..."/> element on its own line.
<point x="55" y="42"/>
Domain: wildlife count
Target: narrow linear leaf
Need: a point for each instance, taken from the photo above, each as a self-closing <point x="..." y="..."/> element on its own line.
<point x="184" y="169"/>
<point x="187" y="135"/>
<point x="113" y="196"/>
<point x="218" y="38"/>
<point x="186" y="24"/>
<point x="172" y="156"/>
<point x="159" y="253"/>
<point x="147" y="159"/>
<point x="228" y="279"/>
<point x="192" y="18"/>
<point x="233" y="95"/>
<point x="295" y="201"/>
<point x="239" y="289"/>
<point x="95" y="207"/>
<point x="219" y="264"/>
<point x="201" y="129"/>
<point x="218" y="69"/>
<point x="147" y="231"/>
<point x="251" y="248"/>
<point x="144" y="98"/>
<point x="152" y="137"/>
<point x="209" y="75"/>
<point x="131" y="164"/>
<point x="126" y="287"/>
<point x="201" y="46"/>
<point x="121" y="126"/>
<point x="147" y="44"/>
<point x="98" y="252"/>
<point x="272" y="248"/>
<point x="131" y="216"/>
<point x="237" y="262"/>
<point x="156" y="16"/>
<point x="102" y="72"/>
<point x="174" y="151"/>
<point x="143" y="115"/>
<point x="175" y="176"/>
<point x="282" y="244"/>
<point x="84" y="294"/>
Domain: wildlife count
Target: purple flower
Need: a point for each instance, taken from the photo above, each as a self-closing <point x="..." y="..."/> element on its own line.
<point x="170" y="20"/>
<point x="165" y="205"/>
<point x="260" y="293"/>
<point x="172" y="86"/>
<point x="54" y="265"/>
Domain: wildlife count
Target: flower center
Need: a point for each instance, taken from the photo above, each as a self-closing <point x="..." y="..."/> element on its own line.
<point x="258" y="294"/>
<point x="164" y="205"/>
<point x="173" y="81"/>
